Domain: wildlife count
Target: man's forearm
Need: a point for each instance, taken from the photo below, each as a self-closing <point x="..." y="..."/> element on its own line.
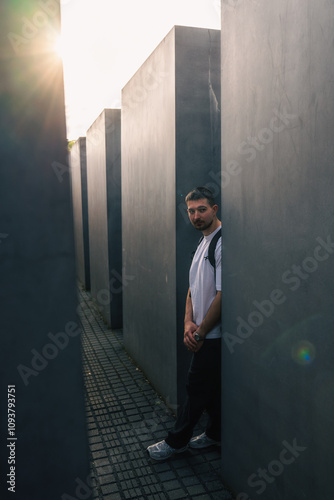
<point x="189" y="325"/>
<point x="212" y="317"/>
<point x="188" y="316"/>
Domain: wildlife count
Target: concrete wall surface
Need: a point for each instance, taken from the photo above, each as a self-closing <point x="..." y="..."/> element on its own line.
<point x="170" y="144"/>
<point x="278" y="275"/>
<point x="78" y="171"/>
<point x="103" y="146"/>
<point x="43" y="430"/>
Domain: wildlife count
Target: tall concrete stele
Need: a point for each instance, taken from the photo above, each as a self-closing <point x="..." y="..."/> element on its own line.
<point x="78" y="169"/>
<point x="170" y="144"/>
<point x="103" y="145"/>
<point x="44" y="451"/>
<point x="278" y="206"/>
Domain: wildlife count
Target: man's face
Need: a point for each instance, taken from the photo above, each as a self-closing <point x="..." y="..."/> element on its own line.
<point x="200" y="213"/>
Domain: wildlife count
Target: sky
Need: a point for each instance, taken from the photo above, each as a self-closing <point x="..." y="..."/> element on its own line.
<point x="104" y="42"/>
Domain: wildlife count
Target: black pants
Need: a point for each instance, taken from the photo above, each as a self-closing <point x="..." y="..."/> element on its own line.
<point x="203" y="393"/>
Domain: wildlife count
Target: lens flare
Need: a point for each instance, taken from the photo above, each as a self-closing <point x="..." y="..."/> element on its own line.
<point x="303" y="352"/>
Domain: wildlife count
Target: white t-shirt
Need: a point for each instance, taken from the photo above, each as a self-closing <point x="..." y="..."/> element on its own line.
<point x="203" y="286"/>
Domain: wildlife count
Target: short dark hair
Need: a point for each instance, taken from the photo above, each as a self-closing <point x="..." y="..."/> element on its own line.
<point x="199" y="193"/>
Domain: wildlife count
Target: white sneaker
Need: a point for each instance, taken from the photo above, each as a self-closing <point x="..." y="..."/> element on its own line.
<point x="162" y="450"/>
<point x="202" y="441"/>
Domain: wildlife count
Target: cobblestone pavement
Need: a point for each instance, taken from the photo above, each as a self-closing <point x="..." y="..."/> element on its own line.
<point x="124" y="416"/>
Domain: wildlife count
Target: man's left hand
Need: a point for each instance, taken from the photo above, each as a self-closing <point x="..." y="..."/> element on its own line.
<point x="195" y="346"/>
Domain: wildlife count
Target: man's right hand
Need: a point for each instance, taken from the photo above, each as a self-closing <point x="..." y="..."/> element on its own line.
<point x="188" y="339"/>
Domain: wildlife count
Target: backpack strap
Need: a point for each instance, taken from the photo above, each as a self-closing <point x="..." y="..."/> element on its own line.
<point x="212" y="248"/>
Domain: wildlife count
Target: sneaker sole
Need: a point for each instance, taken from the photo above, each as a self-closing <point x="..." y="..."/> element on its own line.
<point x="160" y="459"/>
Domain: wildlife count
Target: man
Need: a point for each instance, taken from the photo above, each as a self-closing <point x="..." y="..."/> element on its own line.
<point x="202" y="336"/>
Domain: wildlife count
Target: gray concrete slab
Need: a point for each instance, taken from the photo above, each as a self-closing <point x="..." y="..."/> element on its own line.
<point x="278" y="206"/>
<point x="78" y="170"/>
<point x="103" y="144"/>
<point x="170" y="144"/>
<point x="43" y="429"/>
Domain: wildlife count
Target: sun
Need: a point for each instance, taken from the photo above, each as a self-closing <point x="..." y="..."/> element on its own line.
<point x="60" y="47"/>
